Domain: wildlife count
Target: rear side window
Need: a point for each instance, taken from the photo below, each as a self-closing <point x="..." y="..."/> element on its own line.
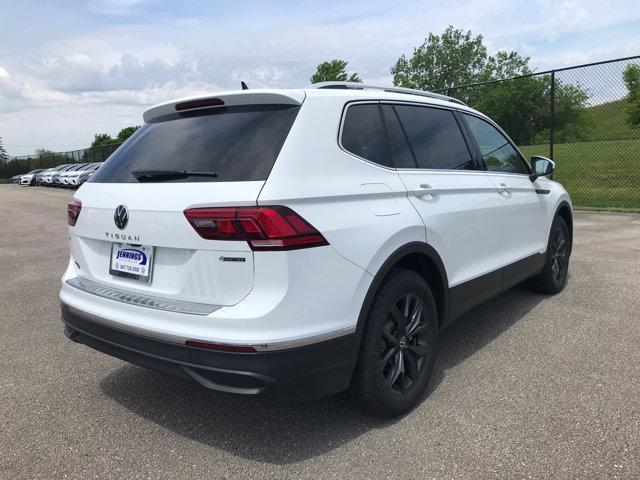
<point x="363" y="135"/>
<point x="238" y="143"/>
<point x="435" y="138"/>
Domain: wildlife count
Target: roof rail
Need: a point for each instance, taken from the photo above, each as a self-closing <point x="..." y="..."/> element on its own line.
<point x="365" y="86"/>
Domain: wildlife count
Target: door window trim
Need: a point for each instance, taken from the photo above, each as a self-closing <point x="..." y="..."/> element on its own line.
<point x="503" y="133"/>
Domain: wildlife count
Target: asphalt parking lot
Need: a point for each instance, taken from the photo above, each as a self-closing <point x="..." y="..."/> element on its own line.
<point x="525" y="386"/>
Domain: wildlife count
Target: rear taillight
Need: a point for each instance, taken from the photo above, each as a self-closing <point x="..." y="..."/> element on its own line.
<point x="264" y="228"/>
<point x="73" y="211"/>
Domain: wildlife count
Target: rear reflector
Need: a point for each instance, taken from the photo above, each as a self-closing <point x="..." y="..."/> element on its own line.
<point x="264" y="228"/>
<point x="220" y="347"/>
<point x="73" y="211"/>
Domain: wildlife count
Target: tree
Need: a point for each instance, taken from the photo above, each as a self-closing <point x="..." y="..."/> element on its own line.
<point x="452" y="59"/>
<point x="519" y="106"/>
<point x="47" y="158"/>
<point x="102" y="139"/>
<point x="126" y="133"/>
<point x="522" y="106"/>
<point x="334" y="70"/>
<point x="631" y="77"/>
<point x="569" y="118"/>
<point x="506" y="65"/>
<point x="4" y="156"/>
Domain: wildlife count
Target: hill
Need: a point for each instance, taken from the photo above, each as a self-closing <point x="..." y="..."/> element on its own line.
<point x="607" y="121"/>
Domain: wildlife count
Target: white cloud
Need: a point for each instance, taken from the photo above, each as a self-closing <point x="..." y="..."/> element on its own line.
<point x="116" y="7"/>
<point x="262" y="77"/>
<point x="17" y="94"/>
<point x="91" y="68"/>
<point x="570" y="16"/>
<point x="79" y="73"/>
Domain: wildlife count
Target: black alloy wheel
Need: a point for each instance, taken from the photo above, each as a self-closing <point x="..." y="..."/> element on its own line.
<point x="559" y="255"/>
<point x="403" y="344"/>
<point x="399" y="346"/>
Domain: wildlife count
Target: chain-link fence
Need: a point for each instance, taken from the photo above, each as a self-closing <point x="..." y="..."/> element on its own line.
<point x="586" y="118"/>
<point x="46" y="159"/>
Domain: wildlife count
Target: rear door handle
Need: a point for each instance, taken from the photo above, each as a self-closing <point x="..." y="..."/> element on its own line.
<point x="425" y="190"/>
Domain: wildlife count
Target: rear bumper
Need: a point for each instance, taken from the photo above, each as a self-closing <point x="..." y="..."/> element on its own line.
<point x="301" y="373"/>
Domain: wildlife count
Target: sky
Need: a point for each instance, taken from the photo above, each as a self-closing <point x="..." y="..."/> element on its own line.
<point x="71" y="69"/>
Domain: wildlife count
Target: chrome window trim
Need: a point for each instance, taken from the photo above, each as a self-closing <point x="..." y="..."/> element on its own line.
<point x="441" y="171"/>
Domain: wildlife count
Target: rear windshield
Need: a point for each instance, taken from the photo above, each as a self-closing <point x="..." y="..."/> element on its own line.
<point x="238" y="143"/>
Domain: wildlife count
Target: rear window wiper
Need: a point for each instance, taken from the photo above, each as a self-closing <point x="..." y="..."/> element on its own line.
<point x="160" y="175"/>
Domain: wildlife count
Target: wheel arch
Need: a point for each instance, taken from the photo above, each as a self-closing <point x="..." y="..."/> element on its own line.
<point x="564" y="210"/>
<point x="421" y="258"/>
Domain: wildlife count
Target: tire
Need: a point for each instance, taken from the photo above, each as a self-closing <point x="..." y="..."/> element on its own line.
<point x="553" y="277"/>
<point x="394" y="365"/>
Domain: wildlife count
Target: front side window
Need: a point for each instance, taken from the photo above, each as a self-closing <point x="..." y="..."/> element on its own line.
<point x="497" y="152"/>
<point x="362" y="134"/>
<point x="435" y="138"/>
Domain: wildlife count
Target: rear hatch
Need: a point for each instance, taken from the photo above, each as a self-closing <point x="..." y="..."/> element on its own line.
<point x="132" y="233"/>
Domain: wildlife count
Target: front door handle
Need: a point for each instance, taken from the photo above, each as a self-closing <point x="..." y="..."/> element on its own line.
<point x="425" y="190"/>
<point x="504" y="190"/>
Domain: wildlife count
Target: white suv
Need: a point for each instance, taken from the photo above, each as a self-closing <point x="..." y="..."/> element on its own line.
<point x="303" y="242"/>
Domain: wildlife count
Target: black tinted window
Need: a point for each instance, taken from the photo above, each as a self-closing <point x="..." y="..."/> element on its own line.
<point x="398" y="145"/>
<point x="237" y="143"/>
<point x="362" y="134"/>
<point x="498" y="154"/>
<point x="435" y="138"/>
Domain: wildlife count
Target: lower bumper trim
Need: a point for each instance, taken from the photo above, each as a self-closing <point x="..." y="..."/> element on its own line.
<point x="300" y="373"/>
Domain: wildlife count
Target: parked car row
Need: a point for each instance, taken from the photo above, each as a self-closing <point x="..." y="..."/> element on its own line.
<point x="70" y="175"/>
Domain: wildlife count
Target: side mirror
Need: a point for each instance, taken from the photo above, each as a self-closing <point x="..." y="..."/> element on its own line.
<point x="542" y="167"/>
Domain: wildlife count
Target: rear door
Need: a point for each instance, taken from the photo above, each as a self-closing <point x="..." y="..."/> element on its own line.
<point x="455" y="199"/>
<point x="133" y="206"/>
<point x="524" y="210"/>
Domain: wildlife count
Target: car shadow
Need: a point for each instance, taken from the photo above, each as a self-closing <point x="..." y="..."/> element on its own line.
<point x="264" y="430"/>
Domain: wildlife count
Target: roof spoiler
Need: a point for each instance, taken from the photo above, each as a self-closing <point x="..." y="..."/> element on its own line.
<point x="243" y="97"/>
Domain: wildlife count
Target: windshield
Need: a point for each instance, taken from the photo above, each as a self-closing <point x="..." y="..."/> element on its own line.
<point x="238" y="143"/>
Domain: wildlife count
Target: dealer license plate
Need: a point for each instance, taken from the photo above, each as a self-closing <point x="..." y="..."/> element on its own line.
<point x="131" y="261"/>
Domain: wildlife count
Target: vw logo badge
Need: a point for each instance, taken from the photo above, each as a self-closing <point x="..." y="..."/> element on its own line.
<point x="121" y="216"/>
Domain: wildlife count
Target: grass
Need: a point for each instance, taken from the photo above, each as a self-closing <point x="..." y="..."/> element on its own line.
<point x="602" y="174"/>
<point x="608" y="121"/>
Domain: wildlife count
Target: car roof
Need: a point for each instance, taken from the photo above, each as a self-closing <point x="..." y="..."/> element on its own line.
<point x="297" y="97"/>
